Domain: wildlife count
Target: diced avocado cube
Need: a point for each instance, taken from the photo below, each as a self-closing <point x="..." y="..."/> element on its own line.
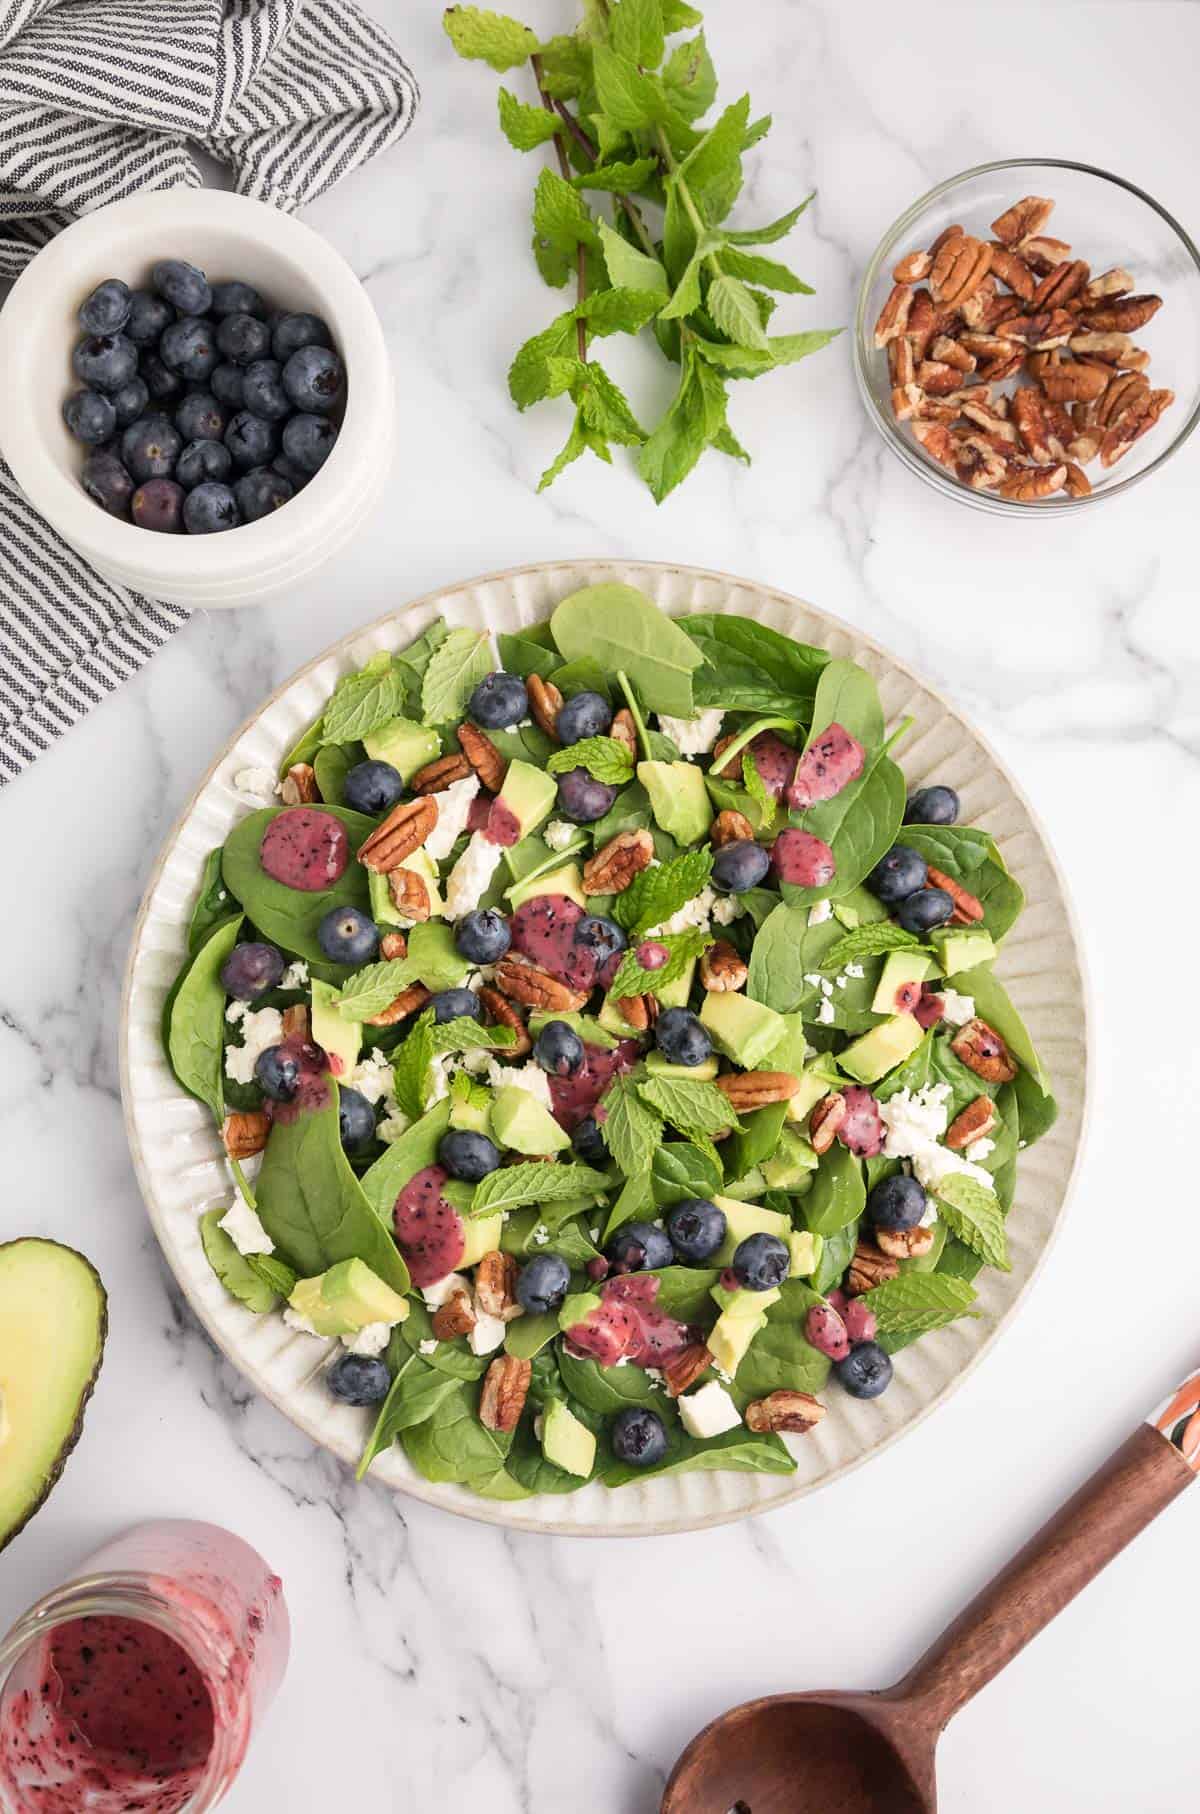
<point x="340" y="1040"/>
<point x="528" y="794"/>
<point x="730" y="1337"/>
<point x="434" y="958"/>
<point x="816" y="1081"/>
<point x="474" y="1116"/>
<point x="675" y="994"/>
<point x="963" y="950"/>
<point x="790" y="1163"/>
<point x="482" y="1236"/>
<point x="806" y="1253"/>
<point x="739" y="1302"/>
<point x="613" y="1021"/>
<point x="678" y="799"/>
<point x="744" y="1030"/>
<point x="875" y="1053"/>
<point x="526" y="1125"/>
<point x="899" y="983"/>
<point x="746" y="1188"/>
<point x="345" y="1298"/>
<point x="793" y="1050"/>
<point x="658" y="1066"/>
<point x="566" y="1442"/>
<point x="577" y="1307"/>
<point x="405" y="745"/>
<point x="384" y="910"/>
<point x="742" y="1219"/>
<point x="568" y="880"/>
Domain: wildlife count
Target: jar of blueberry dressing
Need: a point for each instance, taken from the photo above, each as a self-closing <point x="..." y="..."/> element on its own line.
<point x="135" y="1687"/>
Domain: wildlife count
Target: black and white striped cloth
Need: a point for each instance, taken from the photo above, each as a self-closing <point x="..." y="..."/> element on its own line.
<point x="99" y="99"/>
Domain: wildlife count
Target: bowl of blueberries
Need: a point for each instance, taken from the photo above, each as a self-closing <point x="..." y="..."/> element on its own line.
<point x="195" y="393"/>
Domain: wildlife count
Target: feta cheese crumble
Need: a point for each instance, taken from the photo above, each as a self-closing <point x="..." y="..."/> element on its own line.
<point x="245" y="1230"/>
<point x="529" y="1077"/>
<point x="257" y="784"/>
<point x="294" y="1320"/>
<point x="693" y="736"/>
<point x="295" y="976"/>
<point x="726" y="908"/>
<point x="370" y="1340"/>
<point x="436" y="1295"/>
<point x="915" y="1124"/>
<point x="470" y="876"/>
<point x="856" y="971"/>
<point x="260" y="1028"/>
<point x="708" y="905"/>
<point x="957" y="1009"/>
<point x="427" y="1347"/>
<point x="978" y="1150"/>
<point x="371" y="1077"/>
<point x="453" y="810"/>
<point x="487" y="1334"/>
<point x="820" y="912"/>
<point x="709" y="1412"/>
<point x="825" y="1013"/>
<point x="558" y="834"/>
<point x="394" y="1123"/>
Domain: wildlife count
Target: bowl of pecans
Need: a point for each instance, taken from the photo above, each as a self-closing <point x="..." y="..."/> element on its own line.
<point x="1010" y="367"/>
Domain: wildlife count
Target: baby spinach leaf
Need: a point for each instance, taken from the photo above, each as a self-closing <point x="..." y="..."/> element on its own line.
<point x="836" y="1255"/>
<point x="681" y="1171"/>
<point x="860" y="825"/>
<point x="528" y="1335"/>
<point x="685" y="1292"/>
<point x="917" y="1302"/>
<point x="757" y="1139"/>
<point x="454" y="1357"/>
<point x="232" y="1268"/>
<point x="513" y="1186"/>
<point x="738" y="1450"/>
<point x="532" y="1469"/>
<point x="659" y="892"/>
<point x="196" y="1028"/>
<point x="789" y="957"/>
<point x="214" y="903"/>
<point x="632" y="1131"/>
<point x="289" y="917"/>
<point x="1037" y="1112"/>
<point x="455" y="669"/>
<point x="934" y="1062"/>
<point x="547" y="1230"/>
<point x="958" y="1261"/>
<point x="361" y="702"/>
<point x="416" y="1392"/>
<point x="453" y="1445"/>
<point x="970" y="856"/>
<point x="305" y="747"/>
<point x="635" y="1201"/>
<point x="609" y="1389"/>
<point x="312" y="1205"/>
<point x="780" y="1354"/>
<point x="403" y="1159"/>
<point x="619" y="627"/>
<point x="847" y="695"/>
<point x="523" y="654"/>
<point x="838" y="1194"/>
<point x="750" y="667"/>
<point x="584" y="675"/>
<point x="974" y="1215"/>
<point x="630" y="811"/>
<point x="993" y="1004"/>
<point x="731" y="796"/>
<point x="331" y="765"/>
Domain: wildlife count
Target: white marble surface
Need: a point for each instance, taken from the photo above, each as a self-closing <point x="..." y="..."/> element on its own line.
<point x="438" y="1664"/>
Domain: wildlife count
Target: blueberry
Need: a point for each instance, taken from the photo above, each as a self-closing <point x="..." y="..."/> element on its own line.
<point x="278" y="1072"/>
<point x="209" y="508"/>
<point x="250" y="440"/>
<point x="308" y="440"/>
<point x="588" y="1142"/>
<point x="106" y="480"/>
<point x="761" y="1262"/>
<point x="183" y="286"/>
<point x="638" y="1437"/>
<point x="932" y="806"/>
<point x="680" y="1037"/>
<point x="922" y="911"/>
<point x="251" y="969"/>
<point x="315" y="379"/>
<point x="499" y="701"/>
<point x="581" y="799"/>
<point x="558" y="1049"/>
<point x="228" y="386"/>
<point x="468" y="1155"/>
<point x="288" y="469"/>
<point x="162" y="383"/>
<point x="107" y="308"/>
<point x="739" y="866"/>
<point x="189" y="348"/>
<point x="482" y="936"/>
<point x="896" y="1203"/>
<point x="158" y="504"/>
<point x="201" y="461"/>
<point x="601" y="936"/>
<point x="372" y="787"/>
<point x="542" y="1283"/>
<point x="348" y="936"/>
<point x="200" y="417"/>
<point x="359" y="1379"/>
<point x="91" y="417"/>
<point x="697" y="1229"/>
<point x="148" y="316"/>
<point x="131" y="401"/>
<point x="105" y="362"/>
<point x="261" y="492"/>
<point x="584" y="715"/>
<point x="455" y="1004"/>
<point x="866" y="1370"/>
<point x="291" y="332"/>
<point x="897" y="875"/>
<point x="237" y="299"/>
<point x="150" y="447"/>
<point x="641" y="1247"/>
<point x="243" y="338"/>
<point x="356" y="1121"/>
<point x="262" y="392"/>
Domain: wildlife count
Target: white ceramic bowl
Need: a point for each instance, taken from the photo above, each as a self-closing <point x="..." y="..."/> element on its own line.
<point x="227" y="236"/>
<point x="180" y="1162"/>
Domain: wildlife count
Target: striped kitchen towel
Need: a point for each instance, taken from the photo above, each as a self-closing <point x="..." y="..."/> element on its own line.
<point x="99" y="99"/>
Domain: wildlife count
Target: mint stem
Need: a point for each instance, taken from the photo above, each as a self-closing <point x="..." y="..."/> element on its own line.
<point x="685" y="195"/>
<point x="630" y="209"/>
<point x="564" y="166"/>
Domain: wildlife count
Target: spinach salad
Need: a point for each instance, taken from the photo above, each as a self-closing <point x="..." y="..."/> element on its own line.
<point x="606" y="1045"/>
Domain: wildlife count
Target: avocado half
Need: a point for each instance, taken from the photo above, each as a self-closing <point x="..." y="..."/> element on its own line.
<point x="53" y="1322"/>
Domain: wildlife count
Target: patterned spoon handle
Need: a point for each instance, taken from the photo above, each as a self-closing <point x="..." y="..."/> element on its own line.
<point x="1178" y="1419"/>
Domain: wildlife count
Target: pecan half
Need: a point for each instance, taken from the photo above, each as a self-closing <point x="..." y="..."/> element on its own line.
<point x="1042" y="254"/>
<point x="730" y="827"/>
<point x="1110" y="349"/>
<point x="624" y="731"/>
<point x="299" y="785"/>
<point x="505" y="1388"/>
<point x="951" y="352"/>
<point x="938" y="379"/>
<point x="1061" y="285"/>
<point x="435" y="777"/>
<point x="719" y="766"/>
<point x="1078" y="484"/>
<point x="410" y="894"/>
<point x="453" y="1318"/>
<point x="907" y="400"/>
<point x="641" y="1011"/>
<point x="825" y="1120"/>
<point x="245" y="1132"/>
<point x="1132" y="424"/>
<point x="1124" y="316"/>
<point x="721" y="969"/>
<point x="614" y="866"/>
<point x="997" y="370"/>
<point x="504" y="1014"/>
<point x="545" y="702"/>
<point x="404" y="830"/>
<point x="1049" y="328"/>
<point x="406" y="1003"/>
<point x="954" y="231"/>
<point x="746" y="1090"/>
<point x="989" y="416"/>
<point x="1084" y="447"/>
<point x="483" y="756"/>
<point x="1120" y="394"/>
<point x="296" y="1022"/>
<point x="937" y="441"/>
<point x="523" y="981"/>
<point x="1011" y="269"/>
<point x="1034" y="429"/>
<point x="922" y="323"/>
<point x="796" y="1412"/>
<point x="393" y="945"/>
<point x="496" y="1286"/>
<point x="1116" y="282"/>
<point x="893" y="317"/>
<point x="978" y="308"/>
<point x="988" y="346"/>
<point x="1073" y="382"/>
<point x="983" y="1051"/>
<point x="912" y="267"/>
<point x="868" y="1268"/>
<point x="1026" y="217"/>
<point x="979" y="464"/>
<point x="904" y="1243"/>
<point x="901" y="365"/>
<point x="684" y="1368"/>
<point x="976" y="1120"/>
<point x="1034" y="482"/>
<point x="959" y="268"/>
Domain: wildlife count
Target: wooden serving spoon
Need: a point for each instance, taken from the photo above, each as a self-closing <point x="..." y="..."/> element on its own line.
<point x="874" y="1753"/>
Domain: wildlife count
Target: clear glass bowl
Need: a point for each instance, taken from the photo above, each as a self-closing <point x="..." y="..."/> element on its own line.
<point x="1107" y="221"/>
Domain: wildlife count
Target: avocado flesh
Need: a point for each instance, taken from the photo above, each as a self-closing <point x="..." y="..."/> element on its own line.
<point x="529" y="794"/>
<point x="658" y="1066"/>
<point x="339" y="1039"/>
<point x="744" y="1219"/>
<point x="568" y="880"/>
<point x="746" y="1031"/>
<point x="566" y="1442"/>
<point x="901" y="969"/>
<point x="678" y="799"/>
<point x="521" y="1122"/>
<point x="730" y="1337"/>
<point x="481" y="1235"/>
<point x="964" y="950"/>
<point x="867" y="1058"/>
<point x="816" y="1081"/>
<point x="53" y="1321"/>
<point x="347" y="1298"/>
<point x="405" y="745"/>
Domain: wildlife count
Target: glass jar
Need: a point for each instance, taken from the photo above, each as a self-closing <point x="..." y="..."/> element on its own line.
<point x="138" y="1683"/>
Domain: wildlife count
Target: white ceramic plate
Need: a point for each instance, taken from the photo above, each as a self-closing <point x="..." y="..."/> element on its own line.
<point x="179" y="1158"/>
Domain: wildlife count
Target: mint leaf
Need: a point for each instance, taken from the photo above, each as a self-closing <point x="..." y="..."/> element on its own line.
<point x="636" y="27"/>
<point x="631" y="99"/>
<point x="779" y="349"/>
<point x="524" y="126"/>
<point x="726" y="442"/>
<point x="581" y="438"/>
<point x="776" y="229"/>
<point x="659" y="892"/>
<point x="627" y="267"/>
<point x="363" y="701"/>
<point x="603" y="757"/>
<point x="973" y="1213"/>
<point x="869" y="941"/>
<point x="632" y="1131"/>
<point x="676" y="444"/>
<point x="566" y="66"/>
<point x="272" y="1272"/>
<point x="528" y="377"/>
<point x="620" y="310"/>
<point x="372" y="990"/>
<point x="410" y="1071"/>
<point x="487" y="37"/>
<point x="466" y="1035"/>
<point x="689" y="77"/>
<point x="733" y="309"/>
<point x="917" y="1302"/>
<point x="515" y="1186"/>
<point x="717" y="158"/>
<point x="766" y="271"/>
<point x="560" y="214"/>
<point x="623" y="177"/>
<point x="692" y="1107"/>
<point x="603" y="406"/>
<point x="631" y="979"/>
<point x="455" y="670"/>
<point x="677" y="16"/>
